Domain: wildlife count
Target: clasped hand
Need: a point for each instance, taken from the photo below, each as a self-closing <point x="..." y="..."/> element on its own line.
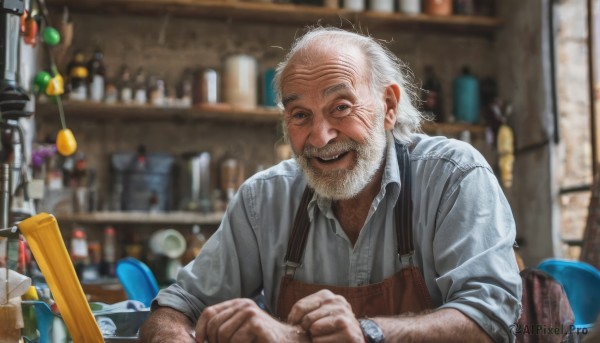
<point x="321" y="317"/>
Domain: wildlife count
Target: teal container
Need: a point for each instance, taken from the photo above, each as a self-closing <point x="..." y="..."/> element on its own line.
<point x="465" y="97"/>
<point x="268" y="89"/>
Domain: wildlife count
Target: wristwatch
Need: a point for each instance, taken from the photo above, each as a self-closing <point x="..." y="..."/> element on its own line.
<point x="371" y="330"/>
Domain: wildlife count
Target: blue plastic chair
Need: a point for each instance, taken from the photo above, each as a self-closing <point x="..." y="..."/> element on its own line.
<point x="581" y="282"/>
<point x="137" y="280"/>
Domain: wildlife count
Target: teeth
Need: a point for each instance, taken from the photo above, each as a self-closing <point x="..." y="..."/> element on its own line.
<point x="330" y="158"/>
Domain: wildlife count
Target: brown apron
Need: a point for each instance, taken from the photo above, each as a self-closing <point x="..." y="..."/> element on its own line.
<point x="403" y="292"/>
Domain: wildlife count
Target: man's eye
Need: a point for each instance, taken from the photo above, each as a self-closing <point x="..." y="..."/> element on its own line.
<point x="299" y="115"/>
<point x="342" y="107"/>
<point x="298" y="118"/>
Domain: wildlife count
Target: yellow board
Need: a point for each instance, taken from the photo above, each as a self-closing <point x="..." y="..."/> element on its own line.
<point x="48" y="248"/>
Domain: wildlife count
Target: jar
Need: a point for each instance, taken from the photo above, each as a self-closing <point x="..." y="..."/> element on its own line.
<point x="438" y="7"/>
<point x="409" y="6"/>
<point x="207" y="87"/>
<point x="385" y="6"/>
<point x="240" y="81"/>
<point x="354" y="5"/>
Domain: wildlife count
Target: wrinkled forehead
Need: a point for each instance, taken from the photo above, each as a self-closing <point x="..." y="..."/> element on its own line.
<point x="319" y="54"/>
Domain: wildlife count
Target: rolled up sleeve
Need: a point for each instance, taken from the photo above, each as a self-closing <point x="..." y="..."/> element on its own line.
<point x="227" y="267"/>
<point x="473" y="257"/>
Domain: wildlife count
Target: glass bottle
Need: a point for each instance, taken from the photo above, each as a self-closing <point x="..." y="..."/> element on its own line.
<point x="186" y="88"/>
<point x="79" y="250"/>
<point x="78" y="74"/>
<point x="96" y="76"/>
<point x="432" y="95"/>
<point x="125" y="85"/>
<point x="156" y="91"/>
<point x="109" y="251"/>
<point x="465" y="97"/>
<point x="139" y="94"/>
<point x="464" y="7"/>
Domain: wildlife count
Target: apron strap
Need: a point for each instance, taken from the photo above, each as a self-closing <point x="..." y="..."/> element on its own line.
<point x="297" y="239"/>
<point x="404" y="207"/>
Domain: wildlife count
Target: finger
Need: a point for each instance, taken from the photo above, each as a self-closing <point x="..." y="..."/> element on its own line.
<point x="324" y="311"/>
<point x="342" y="328"/>
<point x="332" y="325"/>
<point x="213" y="327"/>
<point x="306" y="305"/>
<point x="233" y="329"/>
<point x="208" y="313"/>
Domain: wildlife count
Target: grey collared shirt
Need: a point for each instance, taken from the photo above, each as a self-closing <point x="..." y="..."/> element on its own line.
<point x="463" y="235"/>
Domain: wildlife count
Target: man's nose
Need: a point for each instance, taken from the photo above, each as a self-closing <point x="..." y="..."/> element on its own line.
<point x="322" y="132"/>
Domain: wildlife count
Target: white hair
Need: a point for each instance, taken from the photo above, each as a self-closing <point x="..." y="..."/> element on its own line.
<point x="385" y="69"/>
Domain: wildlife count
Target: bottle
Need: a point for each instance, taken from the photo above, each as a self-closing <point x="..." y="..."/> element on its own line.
<point x="186" y="88"/>
<point x="79" y="250"/>
<point x="464" y="7"/>
<point x="78" y="74"/>
<point x="111" y="95"/>
<point x="96" y="76"/>
<point x="232" y="176"/>
<point x="156" y="91"/>
<point x="432" y="95"/>
<point x="195" y="242"/>
<point x="465" y="96"/>
<point x="139" y="95"/>
<point x="109" y="252"/>
<point x="125" y="86"/>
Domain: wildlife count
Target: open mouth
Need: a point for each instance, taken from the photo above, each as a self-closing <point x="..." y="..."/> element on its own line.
<point x="331" y="159"/>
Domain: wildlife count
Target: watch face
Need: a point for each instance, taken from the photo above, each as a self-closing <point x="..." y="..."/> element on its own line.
<point x="371" y="330"/>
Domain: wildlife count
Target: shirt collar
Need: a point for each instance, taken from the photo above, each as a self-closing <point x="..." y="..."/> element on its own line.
<point x="391" y="176"/>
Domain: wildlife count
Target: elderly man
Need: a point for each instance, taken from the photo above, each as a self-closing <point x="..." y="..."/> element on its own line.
<point x="371" y="233"/>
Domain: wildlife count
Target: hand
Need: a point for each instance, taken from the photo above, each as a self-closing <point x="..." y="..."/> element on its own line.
<point x="241" y="320"/>
<point x="327" y="317"/>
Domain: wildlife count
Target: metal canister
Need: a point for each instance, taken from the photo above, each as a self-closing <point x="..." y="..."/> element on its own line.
<point x="240" y="81"/>
<point x="206" y="87"/>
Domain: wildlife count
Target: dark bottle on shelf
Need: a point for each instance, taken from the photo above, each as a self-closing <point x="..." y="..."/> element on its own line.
<point x="125" y="86"/>
<point x="78" y="73"/>
<point x="140" y="96"/>
<point x="109" y="252"/>
<point x="96" y="76"/>
<point x="432" y="95"/>
<point x="464" y="7"/>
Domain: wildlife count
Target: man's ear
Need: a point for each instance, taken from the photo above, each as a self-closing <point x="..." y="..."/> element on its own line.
<point x="391" y="98"/>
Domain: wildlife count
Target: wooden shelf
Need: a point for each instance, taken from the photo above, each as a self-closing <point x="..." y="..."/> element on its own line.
<point x="76" y="110"/>
<point x="287" y="14"/>
<point x="101" y="111"/>
<point x="168" y="218"/>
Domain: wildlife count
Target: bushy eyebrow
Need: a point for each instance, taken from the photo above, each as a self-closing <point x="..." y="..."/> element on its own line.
<point x="327" y="91"/>
<point x="335" y="88"/>
<point x="287" y="99"/>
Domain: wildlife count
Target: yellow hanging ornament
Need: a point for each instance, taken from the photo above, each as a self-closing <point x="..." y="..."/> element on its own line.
<point x="55" y="86"/>
<point x="65" y="142"/>
<point x="506" y="157"/>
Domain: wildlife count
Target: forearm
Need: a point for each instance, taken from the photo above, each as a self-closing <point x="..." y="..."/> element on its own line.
<point x="166" y="325"/>
<point x="445" y="325"/>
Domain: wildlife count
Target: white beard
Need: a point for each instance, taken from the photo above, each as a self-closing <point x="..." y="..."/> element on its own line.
<point x="344" y="184"/>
